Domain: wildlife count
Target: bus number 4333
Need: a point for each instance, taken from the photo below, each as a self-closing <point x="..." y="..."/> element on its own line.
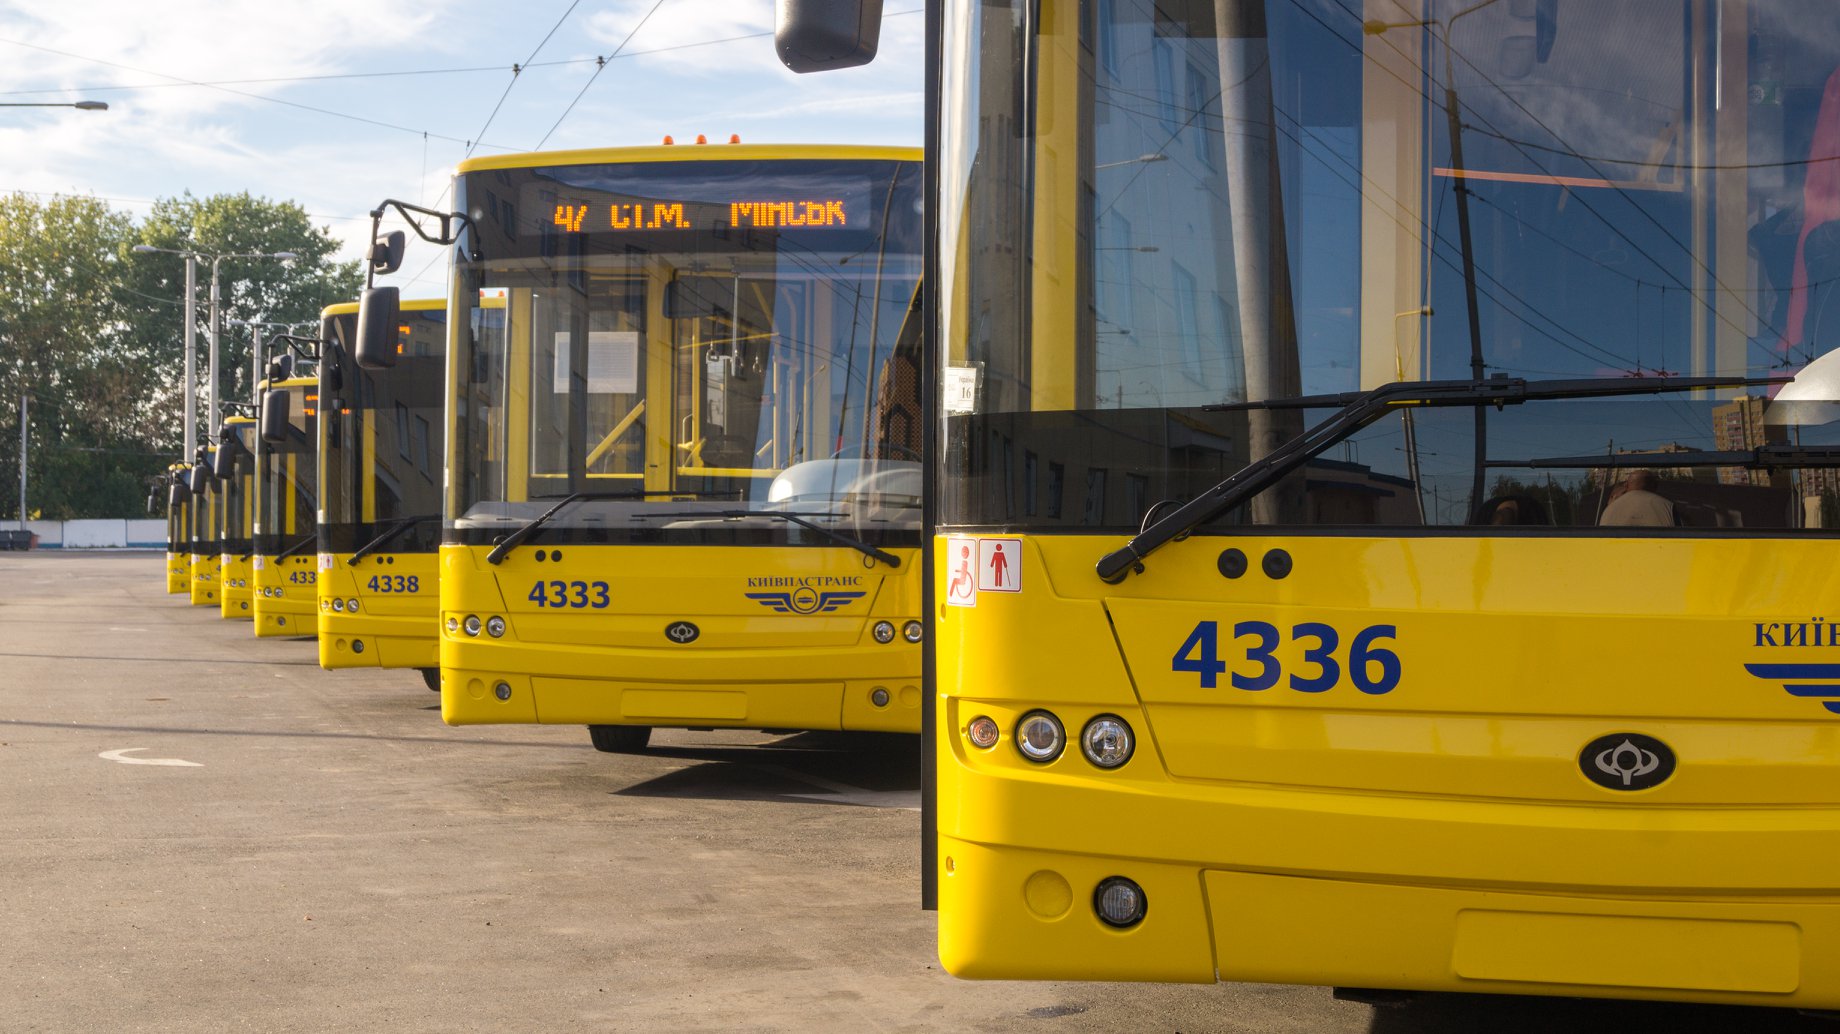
<point x="1373" y="669"/>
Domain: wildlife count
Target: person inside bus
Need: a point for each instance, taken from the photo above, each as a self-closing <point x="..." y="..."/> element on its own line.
<point x="1508" y="510"/>
<point x="1635" y="503"/>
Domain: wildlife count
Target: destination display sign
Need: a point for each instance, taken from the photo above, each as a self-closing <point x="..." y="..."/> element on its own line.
<point x="669" y="200"/>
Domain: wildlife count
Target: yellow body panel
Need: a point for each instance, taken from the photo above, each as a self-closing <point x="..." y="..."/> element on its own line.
<point x="204" y="568"/>
<point x="750" y="666"/>
<point x="1440" y="835"/>
<point x="397" y="624"/>
<point x="178" y="573"/>
<point x="236" y="587"/>
<point x="284" y="600"/>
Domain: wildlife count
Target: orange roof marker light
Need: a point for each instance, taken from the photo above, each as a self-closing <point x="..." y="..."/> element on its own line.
<point x="701" y="139"/>
<point x="668" y="141"/>
<point x="734" y="138"/>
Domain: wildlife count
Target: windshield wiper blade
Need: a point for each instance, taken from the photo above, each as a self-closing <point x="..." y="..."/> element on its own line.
<point x="1768" y="457"/>
<point x="516" y="538"/>
<point x="397" y="527"/>
<point x="297" y="547"/>
<point x="1358" y="409"/>
<point x="799" y="519"/>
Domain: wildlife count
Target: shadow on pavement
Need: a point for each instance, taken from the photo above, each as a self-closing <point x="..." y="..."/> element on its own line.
<point x="1514" y="1014"/>
<point x="873" y="769"/>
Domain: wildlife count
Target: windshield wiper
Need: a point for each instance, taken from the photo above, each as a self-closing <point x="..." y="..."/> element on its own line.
<point x="516" y="538"/>
<point x="1768" y="457"/>
<point x="799" y="519"/>
<point x="397" y="527"/>
<point x="297" y="547"/>
<point x="1358" y="409"/>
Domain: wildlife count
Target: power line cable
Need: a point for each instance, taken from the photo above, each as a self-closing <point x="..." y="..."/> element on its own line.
<point x="516" y="71"/>
<point x="600" y="65"/>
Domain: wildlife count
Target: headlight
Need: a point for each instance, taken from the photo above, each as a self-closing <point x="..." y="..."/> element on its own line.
<point x="883" y="631"/>
<point x="913" y="631"/>
<point x="495" y="626"/>
<point x="1119" y="902"/>
<point x="453" y="624"/>
<point x="338" y="605"/>
<point x="471" y="624"/>
<point x="1039" y="736"/>
<point x="352" y="605"/>
<point x="1107" y="741"/>
<point x="983" y="732"/>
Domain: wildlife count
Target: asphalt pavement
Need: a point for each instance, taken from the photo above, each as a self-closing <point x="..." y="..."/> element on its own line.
<point x="201" y="831"/>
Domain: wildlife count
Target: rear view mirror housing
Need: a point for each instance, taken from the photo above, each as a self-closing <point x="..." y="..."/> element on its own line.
<point x="223" y="462"/>
<point x="200" y="479"/>
<point x="820" y="35"/>
<point x="379" y="310"/>
<point x="275" y="416"/>
<point x="387" y="252"/>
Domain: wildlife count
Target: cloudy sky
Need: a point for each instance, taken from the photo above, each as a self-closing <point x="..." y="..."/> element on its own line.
<point x="337" y="104"/>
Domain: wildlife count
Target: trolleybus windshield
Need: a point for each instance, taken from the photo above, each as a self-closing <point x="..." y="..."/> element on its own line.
<point x="686" y="343"/>
<point x="1270" y="200"/>
<point x="382" y="437"/>
<point x="285" y="496"/>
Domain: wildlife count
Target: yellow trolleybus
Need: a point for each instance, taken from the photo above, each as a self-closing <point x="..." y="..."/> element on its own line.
<point x="380" y="464"/>
<point x="234" y="467"/>
<point x="206" y="505"/>
<point x="1377" y="546"/>
<point x="178" y="530"/>
<point x="684" y="441"/>
<point x="285" y="494"/>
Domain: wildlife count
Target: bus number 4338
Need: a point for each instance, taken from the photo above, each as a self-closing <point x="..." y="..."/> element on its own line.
<point x="1373" y="669"/>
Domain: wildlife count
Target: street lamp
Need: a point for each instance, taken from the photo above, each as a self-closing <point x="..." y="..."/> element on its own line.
<point x="79" y="105"/>
<point x="191" y="321"/>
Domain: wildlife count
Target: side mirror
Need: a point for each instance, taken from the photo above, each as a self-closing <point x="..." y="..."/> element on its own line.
<point x="820" y="35"/>
<point x="387" y="252"/>
<point x="280" y="368"/>
<point x="331" y="370"/>
<point x="223" y="464"/>
<point x="275" y="416"/>
<point x="379" y="309"/>
<point x="178" y="495"/>
<point x="201" y="479"/>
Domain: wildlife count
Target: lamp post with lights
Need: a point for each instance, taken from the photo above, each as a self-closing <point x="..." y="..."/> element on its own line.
<point x="191" y="362"/>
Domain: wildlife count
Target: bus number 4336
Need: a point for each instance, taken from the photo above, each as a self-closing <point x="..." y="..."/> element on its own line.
<point x="1373" y="669"/>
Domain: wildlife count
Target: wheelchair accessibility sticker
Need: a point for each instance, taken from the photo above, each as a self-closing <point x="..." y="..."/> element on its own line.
<point x="982" y="565"/>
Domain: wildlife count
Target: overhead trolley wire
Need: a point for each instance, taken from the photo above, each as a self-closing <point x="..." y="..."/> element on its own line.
<point x="517" y="70"/>
<point x="600" y="65"/>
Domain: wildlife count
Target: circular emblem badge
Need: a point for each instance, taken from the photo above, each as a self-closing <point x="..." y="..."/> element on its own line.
<point x="682" y="632"/>
<point x="1626" y="761"/>
<point x="804" y="600"/>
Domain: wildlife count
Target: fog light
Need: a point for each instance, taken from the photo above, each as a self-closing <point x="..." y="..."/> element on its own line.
<point x="471" y="624"/>
<point x="338" y="605"/>
<point x="351" y="606"/>
<point x="502" y="690"/>
<point x="495" y="626"/>
<point x="1119" y="902"/>
<point x="1107" y="741"/>
<point x="1039" y="736"/>
<point x="883" y="631"/>
<point x="357" y="646"/>
<point x="453" y="624"/>
<point x="879" y="697"/>
<point x="912" y="631"/>
<point x="983" y="732"/>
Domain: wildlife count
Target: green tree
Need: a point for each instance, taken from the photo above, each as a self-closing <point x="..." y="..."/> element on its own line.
<point x="263" y="290"/>
<point x="94" y="332"/>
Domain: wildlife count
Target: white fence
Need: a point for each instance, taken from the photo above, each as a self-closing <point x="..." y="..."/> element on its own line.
<point x="103" y="534"/>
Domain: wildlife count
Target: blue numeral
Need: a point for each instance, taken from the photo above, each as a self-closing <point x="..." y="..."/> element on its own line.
<point x="1204" y="641"/>
<point x="1328" y="672"/>
<point x="1262" y="653"/>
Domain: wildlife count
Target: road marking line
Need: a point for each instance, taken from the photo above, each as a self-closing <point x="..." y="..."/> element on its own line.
<point x="119" y="755"/>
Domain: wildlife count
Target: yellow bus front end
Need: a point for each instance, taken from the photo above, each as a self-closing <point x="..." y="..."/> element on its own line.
<point x="235" y="464"/>
<point x="207" y="508"/>
<point x="684" y="442"/>
<point x="1380" y="543"/>
<point x="178" y="530"/>
<point x="380" y="456"/>
<point x="284" y="566"/>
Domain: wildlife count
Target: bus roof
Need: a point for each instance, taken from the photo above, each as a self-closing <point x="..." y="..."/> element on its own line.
<point x="407" y="305"/>
<point x="688" y="153"/>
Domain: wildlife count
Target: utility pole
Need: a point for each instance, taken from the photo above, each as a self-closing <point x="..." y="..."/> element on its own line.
<point x="191" y="354"/>
<point x="23" y="399"/>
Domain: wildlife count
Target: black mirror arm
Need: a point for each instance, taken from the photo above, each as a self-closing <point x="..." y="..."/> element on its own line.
<point x="448" y="234"/>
